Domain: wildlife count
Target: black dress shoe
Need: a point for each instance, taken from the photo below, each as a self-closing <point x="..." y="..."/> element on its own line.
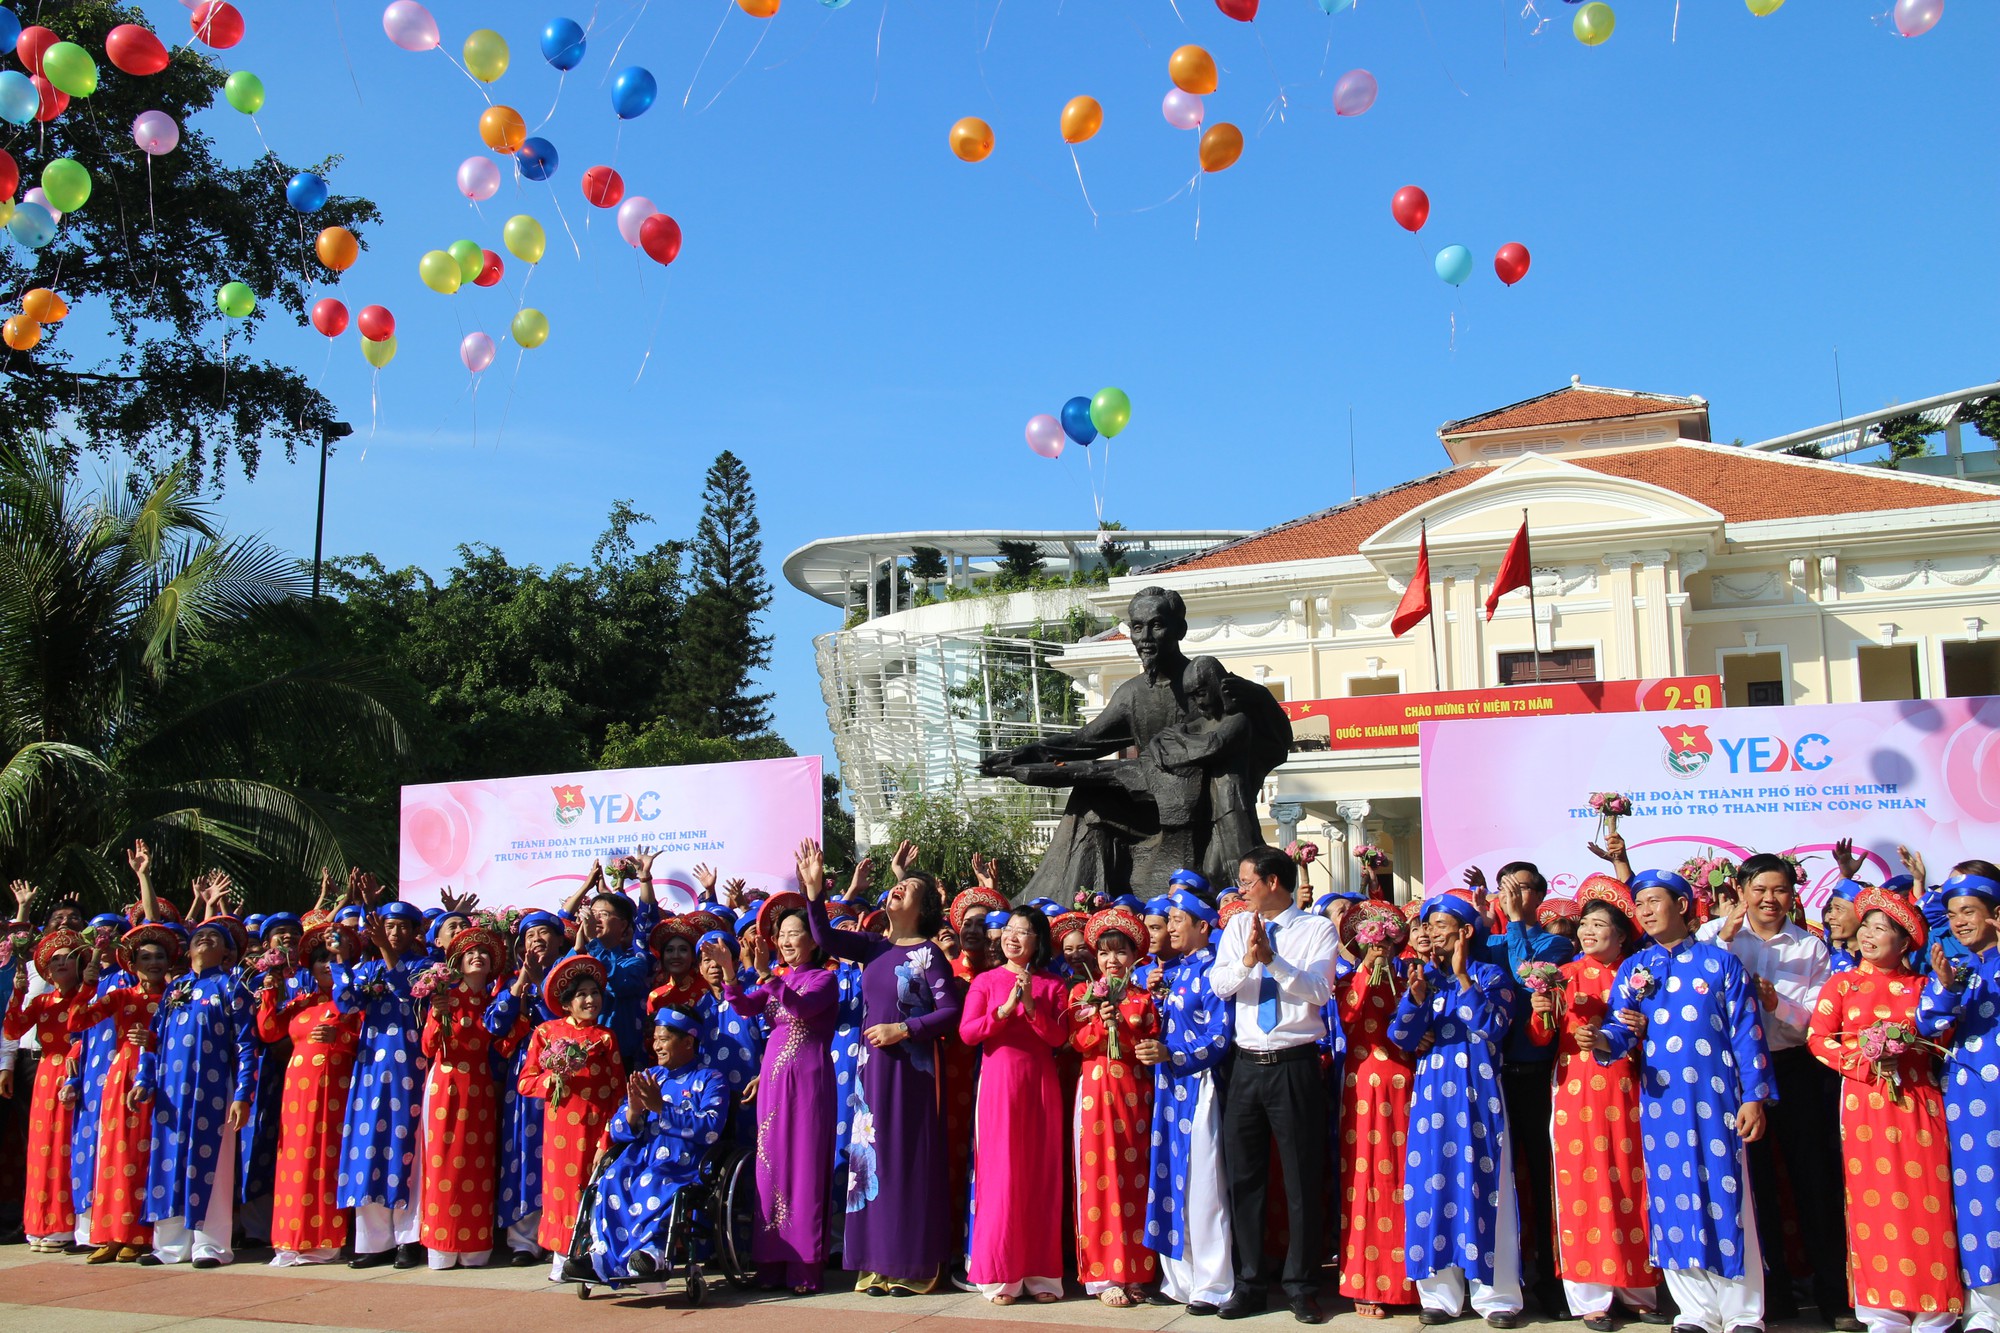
<point x="1847" y="1323"/>
<point x="1306" y="1310"/>
<point x="1601" y="1323"/>
<point x="642" y="1264"/>
<point x="206" y="1263"/>
<point x="1687" y="1328"/>
<point x="1504" y="1320"/>
<point x="410" y="1256"/>
<point x="151" y="1261"/>
<point x="574" y="1271"/>
<point x="1643" y="1316"/>
<point x="522" y="1258"/>
<point x="1202" y="1308"/>
<point x="1160" y="1298"/>
<point x="1242" y="1307"/>
<point x="1436" y="1317"/>
<point x="375" y="1260"/>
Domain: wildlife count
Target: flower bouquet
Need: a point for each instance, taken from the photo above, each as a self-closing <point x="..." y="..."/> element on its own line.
<point x="1303" y="853"/>
<point x="18" y="942"/>
<point x="272" y="959"/>
<point x="1384" y="928"/>
<point x="560" y="1059"/>
<point x="1882" y="1046"/>
<point x="1610" y="807"/>
<point x="1542" y="978"/>
<point x="1105" y="990"/>
<point x="428" y="980"/>
<point x="1089" y="900"/>
<point x="1371" y="856"/>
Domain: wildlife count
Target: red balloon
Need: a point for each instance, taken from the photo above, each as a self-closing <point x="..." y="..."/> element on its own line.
<point x="1240" y="10"/>
<point x="603" y="187"/>
<point x="330" y="317"/>
<point x="1412" y="208"/>
<point x="54" y="100"/>
<point x="1511" y="263"/>
<point x="10" y="174"/>
<point x="660" y="237"/>
<point x="135" y="50"/>
<point x="218" y="25"/>
<point x="377" y="324"/>
<point x="491" y="273"/>
<point x="32" y="45"/>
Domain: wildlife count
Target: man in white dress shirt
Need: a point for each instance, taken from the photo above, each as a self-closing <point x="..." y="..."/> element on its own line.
<point x="1276" y="964"/>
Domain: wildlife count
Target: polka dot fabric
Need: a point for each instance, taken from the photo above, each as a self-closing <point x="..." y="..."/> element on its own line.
<point x="316" y="1081"/>
<point x="205" y="1057"/>
<point x="99" y="1042"/>
<point x="1113" y="1126"/>
<point x="124" y="1136"/>
<point x="47" y="1208"/>
<point x="379" y="1136"/>
<point x="1195" y="1028"/>
<point x="1969" y="1020"/>
<point x="461" y="1120"/>
<point x="575" y="1124"/>
<point x="1375" y="1094"/>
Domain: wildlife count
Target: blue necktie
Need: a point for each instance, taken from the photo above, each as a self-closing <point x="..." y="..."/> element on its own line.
<point x="1267" y="986"/>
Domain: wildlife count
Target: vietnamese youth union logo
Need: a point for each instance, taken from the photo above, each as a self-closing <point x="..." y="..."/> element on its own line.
<point x="569" y="803"/>
<point x="1688" y="750"/>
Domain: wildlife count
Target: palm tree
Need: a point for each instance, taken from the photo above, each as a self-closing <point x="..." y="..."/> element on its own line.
<point x="107" y="734"/>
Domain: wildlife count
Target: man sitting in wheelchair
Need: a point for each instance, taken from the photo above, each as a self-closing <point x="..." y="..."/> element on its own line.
<point x="673" y="1115"/>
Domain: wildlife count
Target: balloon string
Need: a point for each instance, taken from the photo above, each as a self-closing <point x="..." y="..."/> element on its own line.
<point x="878" y="53"/>
<point x="657" y="321"/>
<point x="727" y="8"/>
<point x="341" y="31"/>
<point x="152" y="219"/>
<point x="1177" y="12"/>
<point x="466" y="72"/>
<point x="374" y="403"/>
<point x="1432" y="39"/>
<point x="560" y="80"/>
<point x="765" y="32"/>
<point x="556" y="199"/>
<point x="1075" y="162"/>
<point x="1284" y="100"/>
<point x="509" y="405"/>
<point x="613" y="63"/>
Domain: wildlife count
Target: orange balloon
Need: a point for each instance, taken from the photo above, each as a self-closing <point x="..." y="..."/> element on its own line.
<point x="1192" y="70"/>
<point x="972" y="139"/>
<point x="337" y="248"/>
<point x="503" y="129"/>
<point x="43" y="306"/>
<point x="21" y="333"/>
<point x="758" y="9"/>
<point x="1081" y="118"/>
<point x="1221" y="146"/>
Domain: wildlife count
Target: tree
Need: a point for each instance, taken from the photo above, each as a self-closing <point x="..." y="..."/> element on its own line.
<point x="146" y="255"/>
<point x="1017" y="686"/>
<point x="719" y="643"/>
<point x="1905" y="437"/>
<point x="1020" y="563"/>
<point x="948" y="827"/>
<point x="107" y="604"/>
<point x="926" y="564"/>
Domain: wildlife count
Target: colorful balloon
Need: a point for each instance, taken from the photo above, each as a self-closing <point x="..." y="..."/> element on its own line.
<point x="33" y="225"/>
<point x="1193" y="70"/>
<point x="69" y="68"/>
<point x="524" y="238"/>
<point x="660" y="238"/>
<point x="410" y="26"/>
<point x="971" y="139"/>
<point x="337" y="248"/>
<point x="502" y="129"/>
<point x="34" y="43"/>
<point x="38" y="195"/>
<point x="244" y="91"/>
<point x="1593" y="23"/>
<point x="1076" y="420"/>
<point x="10" y="174"/>
<point x="632" y="215"/>
<point x="155" y="133"/>
<point x="478" y="177"/>
<point x="51" y="100"/>
<point x="1354" y="92"/>
<point x="216" y="24"/>
<point x="1453" y="264"/>
<point x="439" y="272"/>
<point x="1240" y="10"/>
<point x="486" y="55"/>
<point x="1914" y="18"/>
<point x="1411" y="208"/>
<point x="1335" y="6"/>
<point x="632" y="92"/>
<point x="476" y="351"/>
<point x="377" y="324"/>
<point x="1183" y="110"/>
<point x="378" y="352"/>
<point x="1045" y="435"/>
<point x="135" y="50"/>
<point x="1221" y="145"/>
<point x="603" y="187"/>
<point x="1082" y="117"/>
<point x="329" y="317"/>
<point x="530" y="327"/>
<point x="1763" y="9"/>
<point x="1510" y="262"/>
<point x="43" y="306"/>
<point x="19" y="98"/>
<point x="758" y="9"/>
<point x="10" y="29"/>
<point x="1110" y="411"/>
<point x="306" y="192"/>
<point x="235" y="299"/>
<point x="471" y="260"/>
<point x="66" y="182"/>
<point x="491" y="269"/>
<point x="537" y="159"/>
<point x="563" y="43"/>
<point x="21" y="333"/>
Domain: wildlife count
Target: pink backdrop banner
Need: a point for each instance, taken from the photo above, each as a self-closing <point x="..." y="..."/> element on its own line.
<point x="529" y="842"/>
<point x="1923" y="773"/>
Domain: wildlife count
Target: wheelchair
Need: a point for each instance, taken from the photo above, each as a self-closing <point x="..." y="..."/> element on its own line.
<point x="708" y="1227"/>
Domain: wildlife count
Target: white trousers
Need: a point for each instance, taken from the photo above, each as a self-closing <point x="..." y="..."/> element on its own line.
<point x="1719" y="1304"/>
<point x="83" y="1227"/>
<point x="378" y="1227"/>
<point x="1587" y="1300"/>
<point x="1895" y="1321"/>
<point x="1982" y="1306"/>
<point x="300" y="1258"/>
<point x="1027" y="1286"/>
<point x="521" y="1236"/>
<point x="175" y="1243"/>
<point x="1205" y="1274"/>
<point x="1445" y="1289"/>
<point x="440" y="1260"/>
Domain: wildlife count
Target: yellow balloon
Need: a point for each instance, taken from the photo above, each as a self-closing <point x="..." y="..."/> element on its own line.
<point x="379" y="354"/>
<point x="524" y="238"/>
<point x="1081" y="118"/>
<point x="486" y="55"/>
<point x="1593" y="23"/>
<point x="530" y="327"/>
<point x="1763" y="9"/>
<point x="972" y="139"/>
<point x="440" y="272"/>
<point x="6" y="211"/>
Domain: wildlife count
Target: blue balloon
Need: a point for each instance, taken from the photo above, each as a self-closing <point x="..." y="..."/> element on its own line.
<point x="562" y="43"/>
<point x="1335" y="6"/>
<point x="537" y="159"/>
<point x="834" y="4"/>
<point x="19" y="98"/>
<point x="10" y="29"/>
<point x="1454" y="264"/>
<point x="1076" y="420"/>
<point x="32" y="225"/>
<point x="632" y="92"/>
<point x="306" y="193"/>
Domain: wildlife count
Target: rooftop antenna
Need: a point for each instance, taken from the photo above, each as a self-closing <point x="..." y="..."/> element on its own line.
<point x="1353" y="489"/>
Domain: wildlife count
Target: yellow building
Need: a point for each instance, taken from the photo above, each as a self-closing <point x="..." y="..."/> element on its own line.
<point x="1656" y="553"/>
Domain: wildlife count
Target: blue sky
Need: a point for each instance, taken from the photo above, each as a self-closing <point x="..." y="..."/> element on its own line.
<point x="869" y="322"/>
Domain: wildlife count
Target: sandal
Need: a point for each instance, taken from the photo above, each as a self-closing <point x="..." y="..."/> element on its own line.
<point x="1369" y="1310"/>
<point x="1004" y="1300"/>
<point x="1116" y="1298"/>
<point x="1046" y="1298"/>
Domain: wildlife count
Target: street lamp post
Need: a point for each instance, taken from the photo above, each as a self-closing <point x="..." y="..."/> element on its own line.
<point x="328" y="433"/>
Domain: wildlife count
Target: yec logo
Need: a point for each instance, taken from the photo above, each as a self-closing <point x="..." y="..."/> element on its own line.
<point x="1690" y="751"/>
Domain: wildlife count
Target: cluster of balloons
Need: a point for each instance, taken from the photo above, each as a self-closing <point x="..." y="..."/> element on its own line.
<point x="1192" y="71"/>
<point x="376" y="324"/>
<point x="1411" y="208"/>
<point x="39" y="306"/>
<point x="1082" y="419"/>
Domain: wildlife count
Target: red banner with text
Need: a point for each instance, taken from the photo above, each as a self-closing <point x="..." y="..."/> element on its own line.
<point x="1389" y="721"/>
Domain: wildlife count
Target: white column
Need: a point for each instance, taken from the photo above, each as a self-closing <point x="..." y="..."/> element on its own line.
<point x="1339" y="862"/>
<point x="1656" y="647"/>
<point x="1464" y="669"/>
<point x="1354" y="814"/>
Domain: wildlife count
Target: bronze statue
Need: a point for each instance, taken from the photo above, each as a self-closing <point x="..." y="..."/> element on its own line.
<point x="1194" y="744"/>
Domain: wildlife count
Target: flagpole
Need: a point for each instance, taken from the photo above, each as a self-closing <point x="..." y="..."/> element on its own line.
<point x="1437" y="664"/>
<point x="1534" y="630"/>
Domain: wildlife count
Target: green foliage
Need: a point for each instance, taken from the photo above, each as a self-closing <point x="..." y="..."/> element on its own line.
<point x="949" y="827"/>
<point x="1905" y="436"/>
<point x="926" y="563"/>
<point x="144" y="257"/>
<point x="1983" y="416"/>
<point x="1020" y="563"/>
<point x="661" y="743"/>
<point x="1007" y="692"/>
<point x="719" y="644"/>
<point x="1810" y="449"/>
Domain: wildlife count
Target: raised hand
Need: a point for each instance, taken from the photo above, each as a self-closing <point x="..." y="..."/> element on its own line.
<point x="1258" y="948"/>
<point x="1420" y="986"/>
<point x="1948" y="976"/>
<point x="1460" y="949"/>
<point x="641" y="862"/>
<point x="325" y="888"/>
<point x="760" y="953"/>
<point x="733" y="893"/>
<point x="140" y="859"/>
<point x="811" y="864"/>
<point x="906" y="856"/>
<point x="1913" y="862"/>
<point x="863" y="876"/>
<point x="24" y="896"/>
<point x="1844" y="857"/>
<point x="985" y="871"/>
<point x="704" y="875"/>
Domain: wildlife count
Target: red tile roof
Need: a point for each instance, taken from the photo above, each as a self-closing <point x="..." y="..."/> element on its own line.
<point x="1744" y="487"/>
<point x="1568" y="405"/>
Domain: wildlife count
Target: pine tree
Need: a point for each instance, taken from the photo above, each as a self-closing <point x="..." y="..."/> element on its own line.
<point x="720" y="644"/>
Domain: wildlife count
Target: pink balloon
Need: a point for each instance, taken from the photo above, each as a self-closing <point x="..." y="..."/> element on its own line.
<point x="35" y="195"/>
<point x="1182" y="110"/>
<point x="155" y="133"/>
<point x="632" y="215"/>
<point x="1914" y="18"/>
<point x="410" y="26"/>
<point x="1045" y="435"/>
<point x="476" y="350"/>
<point x="478" y="178"/>
<point x="1354" y="93"/>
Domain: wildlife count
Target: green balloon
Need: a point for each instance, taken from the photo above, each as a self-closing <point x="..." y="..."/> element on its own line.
<point x="379" y="354"/>
<point x="1110" y="411"/>
<point x="66" y="182"/>
<point x="439" y="272"/>
<point x="235" y="299"/>
<point x="471" y="259"/>
<point x="531" y="327"/>
<point x="245" y="92"/>
<point x="70" y="68"/>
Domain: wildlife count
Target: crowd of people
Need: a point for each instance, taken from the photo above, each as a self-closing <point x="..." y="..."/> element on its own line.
<point x="1657" y="1100"/>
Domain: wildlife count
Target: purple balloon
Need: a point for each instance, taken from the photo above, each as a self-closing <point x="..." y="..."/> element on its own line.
<point x="478" y="178"/>
<point x="1914" y="18"/>
<point x="155" y="133"/>
<point x="476" y="350"/>
<point x="410" y="26"/>
<point x="632" y="215"/>
<point x="1182" y="110"/>
<point x="1354" y="93"/>
<point x="1045" y="435"/>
